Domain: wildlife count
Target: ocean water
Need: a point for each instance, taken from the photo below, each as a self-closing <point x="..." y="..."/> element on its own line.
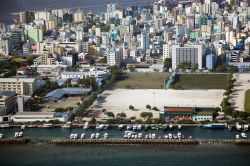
<point x="13" y="6"/>
<point x="109" y="155"/>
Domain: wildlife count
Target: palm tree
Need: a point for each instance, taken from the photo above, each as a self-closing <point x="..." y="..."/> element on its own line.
<point x="131" y="107"/>
<point x="148" y="107"/>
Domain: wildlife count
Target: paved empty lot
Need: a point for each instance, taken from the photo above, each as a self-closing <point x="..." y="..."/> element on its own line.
<point x="119" y="100"/>
<point x="238" y="96"/>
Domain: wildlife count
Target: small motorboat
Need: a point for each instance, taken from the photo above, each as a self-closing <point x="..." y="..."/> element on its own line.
<point x="97" y="136"/>
<point x="16" y="135"/>
<point x="105" y="135"/>
<point x="23" y="127"/>
<point x="179" y="127"/>
<point x="100" y="127"/>
<point x="82" y="135"/>
<point x="1" y="135"/>
<point x="134" y="127"/>
<point x="153" y="136"/>
<point x="245" y="127"/>
<point x="86" y="125"/>
<point x="20" y="134"/>
<point x="237" y="136"/>
<point x="139" y="127"/>
<point x="170" y="136"/>
<point x="146" y="136"/>
<point x="171" y="126"/>
<point x="238" y="126"/>
<point x="92" y="136"/>
<point x="140" y="135"/>
<point x="243" y="135"/>
<point x="166" y="136"/>
<point x="179" y="135"/>
<point x="106" y="126"/>
<point x="75" y="136"/>
<point x="31" y="126"/>
<point x="129" y="127"/>
<point x="120" y="127"/>
<point x="71" y="136"/>
<point x="164" y="126"/>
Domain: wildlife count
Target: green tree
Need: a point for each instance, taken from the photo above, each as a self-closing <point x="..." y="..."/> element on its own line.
<point x="155" y="109"/>
<point x="168" y="63"/>
<point x="143" y="115"/>
<point x="148" y="106"/>
<point x="221" y="69"/>
<point x="121" y="115"/>
<point x="110" y="114"/>
<point x="131" y="107"/>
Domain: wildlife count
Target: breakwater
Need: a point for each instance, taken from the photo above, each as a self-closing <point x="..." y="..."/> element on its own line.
<point x="7" y="141"/>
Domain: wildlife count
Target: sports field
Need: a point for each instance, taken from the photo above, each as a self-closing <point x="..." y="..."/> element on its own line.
<point x="135" y="80"/>
<point x="200" y="81"/>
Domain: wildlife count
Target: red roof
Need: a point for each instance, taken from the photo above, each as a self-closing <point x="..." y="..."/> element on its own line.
<point x="176" y="109"/>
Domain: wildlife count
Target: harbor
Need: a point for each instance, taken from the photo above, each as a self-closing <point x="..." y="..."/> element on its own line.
<point x="122" y="134"/>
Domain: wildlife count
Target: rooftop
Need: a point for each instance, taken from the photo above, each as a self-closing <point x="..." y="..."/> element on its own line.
<point x="6" y="93"/>
<point x="178" y="109"/>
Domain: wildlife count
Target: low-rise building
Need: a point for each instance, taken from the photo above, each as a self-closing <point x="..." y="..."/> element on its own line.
<point x="39" y="116"/>
<point x="19" y="85"/>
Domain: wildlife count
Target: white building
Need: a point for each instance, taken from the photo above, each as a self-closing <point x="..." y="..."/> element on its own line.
<point x="114" y="57"/>
<point x="39" y="116"/>
<point x="188" y="53"/>
<point x="167" y="51"/>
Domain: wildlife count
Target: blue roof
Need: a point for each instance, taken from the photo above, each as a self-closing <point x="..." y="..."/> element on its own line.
<point x="59" y="93"/>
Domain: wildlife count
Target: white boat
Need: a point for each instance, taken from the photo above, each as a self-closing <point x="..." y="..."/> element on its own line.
<point x="136" y="136"/>
<point x="20" y="134"/>
<point x="67" y="125"/>
<point x="190" y="137"/>
<point x="23" y="127"/>
<point x="92" y="136"/>
<point x="238" y="126"/>
<point x="146" y="136"/>
<point x="82" y="136"/>
<point x="134" y="127"/>
<point x="120" y="127"/>
<point x="171" y="126"/>
<point x="243" y="135"/>
<point x="47" y="125"/>
<point x="245" y="127"/>
<point x="71" y="136"/>
<point x="129" y="127"/>
<point x="170" y="136"/>
<point x="139" y="127"/>
<point x="179" y="135"/>
<point x="153" y="136"/>
<point x="105" y="135"/>
<point x="175" y="136"/>
<point x="97" y="135"/>
<point x="179" y="127"/>
<point x="1" y="135"/>
<point x="31" y="126"/>
<point x="100" y="127"/>
<point x="75" y="136"/>
<point x="16" y="135"/>
<point x="106" y="126"/>
<point x="128" y="134"/>
<point x="86" y="125"/>
<point x="166" y="136"/>
<point x="140" y="135"/>
<point x="237" y="136"/>
<point x="5" y="126"/>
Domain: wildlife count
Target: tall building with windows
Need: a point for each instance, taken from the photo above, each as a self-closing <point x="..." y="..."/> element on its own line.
<point x="210" y="61"/>
<point x="114" y="57"/>
<point x="192" y="54"/>
<point x="167" y="51"/>
<point x="7" y="102"/>
<point x="144" y="40"/>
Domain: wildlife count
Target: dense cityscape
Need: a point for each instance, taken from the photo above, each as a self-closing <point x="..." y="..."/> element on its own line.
<point x="161" y="66"/>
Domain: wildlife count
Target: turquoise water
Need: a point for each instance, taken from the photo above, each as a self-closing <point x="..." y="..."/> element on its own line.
<point x="199" y="155"/>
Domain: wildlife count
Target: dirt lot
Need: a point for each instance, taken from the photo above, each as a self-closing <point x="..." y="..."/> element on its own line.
<point x="118" y="100"/>
<point x="67" y="102"/>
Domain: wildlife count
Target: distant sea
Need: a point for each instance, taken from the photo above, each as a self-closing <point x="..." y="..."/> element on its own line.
<point x="200" y="155"/>
<point x="14" y="6"/>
